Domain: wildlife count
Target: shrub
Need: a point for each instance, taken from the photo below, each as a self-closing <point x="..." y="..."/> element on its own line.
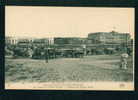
<point x="20" y="52"/>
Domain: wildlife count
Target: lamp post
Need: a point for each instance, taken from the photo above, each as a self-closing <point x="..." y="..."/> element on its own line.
<point x="46" y="52"/>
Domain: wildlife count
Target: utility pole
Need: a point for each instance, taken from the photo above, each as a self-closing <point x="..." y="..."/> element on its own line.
<point x="46" y="51"/>
<point x="126" y="42"/>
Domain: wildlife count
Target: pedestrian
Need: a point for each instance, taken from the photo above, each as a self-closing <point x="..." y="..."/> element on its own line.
<point x="30" y="52"/>
<point x="123" y="61"/>
<point x="46" y="55"/>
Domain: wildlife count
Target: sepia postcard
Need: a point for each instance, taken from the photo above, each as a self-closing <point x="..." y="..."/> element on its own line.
<point x="69" y="48"/>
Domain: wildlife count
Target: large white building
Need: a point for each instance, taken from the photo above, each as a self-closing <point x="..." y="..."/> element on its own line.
<point x="14" y="40"/>
<point x="11" y="40"/>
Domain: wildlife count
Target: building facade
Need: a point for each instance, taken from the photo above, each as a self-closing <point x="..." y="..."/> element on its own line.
<point x="69" y="40"/>
<point x="108" y="38"/>
<point x="11" y="40"/>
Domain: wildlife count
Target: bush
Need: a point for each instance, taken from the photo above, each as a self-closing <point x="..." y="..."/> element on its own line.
<point x="37" y="53"/>
<point x="8" y="52"/>
<point x="20" y="52"/>
<point x="100" y="52"/>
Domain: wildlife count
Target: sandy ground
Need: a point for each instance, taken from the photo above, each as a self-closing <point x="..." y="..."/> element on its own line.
<point x="87" y="69"/>
<point x="89" y="73"/>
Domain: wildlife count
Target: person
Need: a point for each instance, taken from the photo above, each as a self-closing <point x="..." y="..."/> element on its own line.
<point x="123" y="61"/>
<point x="46" y="55"/>
<point x="30" y="52"/>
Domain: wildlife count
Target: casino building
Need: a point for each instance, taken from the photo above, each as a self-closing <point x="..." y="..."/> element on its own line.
<point x="108" y="38"/>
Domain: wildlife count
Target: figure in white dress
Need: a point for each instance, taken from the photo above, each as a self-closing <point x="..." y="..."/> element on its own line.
<point x="123" y="62"/>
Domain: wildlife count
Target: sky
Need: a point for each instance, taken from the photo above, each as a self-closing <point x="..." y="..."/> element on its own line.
<point x="27" y="21"/>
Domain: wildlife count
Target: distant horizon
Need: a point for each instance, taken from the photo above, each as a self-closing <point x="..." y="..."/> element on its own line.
<point x="63" y="36"/>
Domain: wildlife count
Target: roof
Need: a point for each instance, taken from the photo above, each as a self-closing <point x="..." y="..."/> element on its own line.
<point x="113" y="32"/>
